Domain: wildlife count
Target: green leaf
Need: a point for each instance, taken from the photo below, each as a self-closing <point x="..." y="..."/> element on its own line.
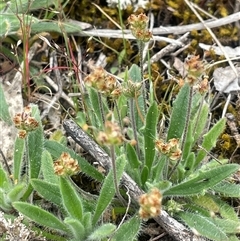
<point x="132" y="157"/>
<point x="56" y="149"/>
<point x="71" y="200"/>
<point x="179" y="113"/>
<point x="40" y="216"/>
<point x="226" y="211"/>
<point x="144" y="174"/>
<point x="94" y="108"/>
<point x="76" y="227"/>
<point x="209" y="139"/>
<point x="227" y="226"/>
<point x="204" y="226"/>
<point x="102" y="232"/>
<point x="188" y="143"/>
<point x="159" y="170"/>
<point x="108" y="190"/>
<point x="24" y="6"/>
<point x="4" y="113"/>
<point x="19" y="149"/>
<point x="134" y="73"/>
<point x="203" y="181"/>
<point x="149" y="133"/>
<point x="35" y="141"/>
<point x="200" y="121"/>
<point x="5" y="182"/>
<point x="87" y="222"/>
<point x="5" y="204"/>
<point x="207" y="202"/>
<point x="16" y="192"/>
<point x="47" y="168"/>
<point x="49" y="191"/>
<point x="10" y="23"/>
<point x="126" y="233"/>
<point x="228" y="189"/>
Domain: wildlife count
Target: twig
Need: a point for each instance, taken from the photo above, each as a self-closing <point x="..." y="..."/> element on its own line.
<point x="169" y="48"/>
<point x="162" y="30"/>
<point x="173" y="227"/>
<point x="214" y="37"/>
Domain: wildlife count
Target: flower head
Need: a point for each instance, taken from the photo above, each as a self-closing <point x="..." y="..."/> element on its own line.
<point x="170" y="148"/>
<point x="66" y="166"/>
<point x="138" y="26"/>
<point x="111" y="135"/>
<point x="103" y="82"/>
<point x="25" y="122"/>
<point x="150" y="204"/>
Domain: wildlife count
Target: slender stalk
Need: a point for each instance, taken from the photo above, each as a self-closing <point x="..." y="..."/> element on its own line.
<point x="185" y="129"/>
<point x="133" y="121"/>
<point x="114" y="168"/>
<point x="118" y="115"/>
<point x="142" y="78"/>
<point x="101" y="107"/>
<point x="198" y="115"/>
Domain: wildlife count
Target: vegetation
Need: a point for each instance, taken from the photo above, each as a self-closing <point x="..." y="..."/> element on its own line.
<point x="164" y="143"/>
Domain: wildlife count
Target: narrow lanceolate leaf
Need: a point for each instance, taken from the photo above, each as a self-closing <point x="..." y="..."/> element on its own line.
<point x="35" y="141"/>
<point x="47" y="168"/>
<point x="19" y="148"/>
<point x="108" y="190"/>
<point x="204" y="226"/>
<point x="210" y="139"/>
<point x="102" y="232"/>
<point x="132" y="157"/>
<point x="126" y="233"/>
<point x="71" y="200"/>
<point x="228" y="189"/>
<point x="4" y="113"/>
<point x="76" y="227"/>
<point x="149" y="134"/>
<point x="179" y="113"/>
<point x="40" y="216"/>
<point x="203" y="181"/>
<point x="4" y="181"/>
<point x="48" y="191"/>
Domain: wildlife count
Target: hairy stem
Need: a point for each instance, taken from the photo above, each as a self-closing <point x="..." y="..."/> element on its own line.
<point x="133" y="121"/>
<point x="142" y="78"/>
<point x="101" y="107"/>
<point x="112" y="154"/>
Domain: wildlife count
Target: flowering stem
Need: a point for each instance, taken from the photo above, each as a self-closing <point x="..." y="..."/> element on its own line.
<point x="118" y="115"/>
<point x="112" y="154"/>
<point x="101" y="107"/>
<point x="133" y="121"/>
<point x="185" y="129"/>
<point x="142" y="78"/>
